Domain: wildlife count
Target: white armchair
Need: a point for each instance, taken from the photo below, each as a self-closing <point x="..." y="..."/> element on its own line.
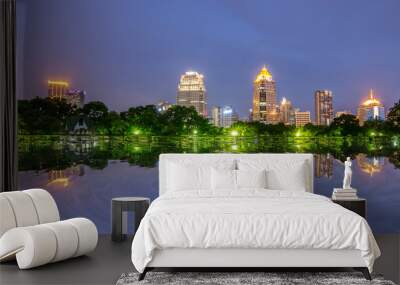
<point x="31" y="230"/>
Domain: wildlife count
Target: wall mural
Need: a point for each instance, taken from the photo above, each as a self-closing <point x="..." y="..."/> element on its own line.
<point x="99" y="101"/>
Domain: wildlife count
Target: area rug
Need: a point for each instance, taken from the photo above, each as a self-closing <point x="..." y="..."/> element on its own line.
<point x="244" y="278"/>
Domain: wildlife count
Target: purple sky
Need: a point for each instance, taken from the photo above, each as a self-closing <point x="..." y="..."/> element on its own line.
<point x="132" y="52"/>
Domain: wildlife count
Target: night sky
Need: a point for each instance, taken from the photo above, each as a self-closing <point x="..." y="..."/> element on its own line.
<point x="131" y="52"/>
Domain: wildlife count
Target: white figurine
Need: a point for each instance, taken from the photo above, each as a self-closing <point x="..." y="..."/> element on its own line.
<point x="347" y="174"/>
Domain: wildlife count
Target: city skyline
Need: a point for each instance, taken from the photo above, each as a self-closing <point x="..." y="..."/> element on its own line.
<point x="191" y="91"/>
<point x="137" y="61"/>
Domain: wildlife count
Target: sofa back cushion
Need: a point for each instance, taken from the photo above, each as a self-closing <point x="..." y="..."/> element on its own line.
<point x="26" y="208"/>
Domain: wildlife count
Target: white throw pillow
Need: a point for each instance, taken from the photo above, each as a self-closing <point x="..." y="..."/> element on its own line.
<point x="183" y="177"/>
<point x="294" y="178"/>
<point x="223" y="179"/>
<point x="251" y="178"/>
<point x="281" y="174"/>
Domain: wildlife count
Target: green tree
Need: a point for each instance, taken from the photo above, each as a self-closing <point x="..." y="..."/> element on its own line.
<point x="143" y="120"/>
<point x="345" y="125"/>
<point x="95" y="110"/>
<point x="394" y="114"/>
<point x="115" y="125"/>
<point x="180" y="120"/>
<point x="97" y="113"/>
<point x="43" y="115"/>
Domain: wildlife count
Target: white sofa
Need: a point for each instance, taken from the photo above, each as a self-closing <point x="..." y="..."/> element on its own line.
<point x="31" y="231"/>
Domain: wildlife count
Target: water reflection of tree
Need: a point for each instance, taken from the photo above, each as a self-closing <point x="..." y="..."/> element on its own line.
<point x="394" y="158"/>
<point x="43" y="153"/>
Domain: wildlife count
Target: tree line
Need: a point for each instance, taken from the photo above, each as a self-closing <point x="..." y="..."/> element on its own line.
<point x="46" y="116"/>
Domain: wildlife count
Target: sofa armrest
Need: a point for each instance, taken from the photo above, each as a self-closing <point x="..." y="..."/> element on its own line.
<point x="40" y="244"/>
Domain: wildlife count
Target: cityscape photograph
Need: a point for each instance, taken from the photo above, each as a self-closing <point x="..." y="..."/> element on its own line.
<point x="105" y="87"/>
<point x="191" y="112"/>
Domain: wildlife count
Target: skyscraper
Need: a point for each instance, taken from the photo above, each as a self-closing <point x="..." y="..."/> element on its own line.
<point x="56" y="90"/>
<point x="323" y="107"/>
<point x="192" y="92"/>
<point x="229" y="116"/>
<point x="370" y="109"/>
<point x="287" y="112"/>
<point x="264" y="97"/>
<point x="223" y="117"/>
<point x="302" y="118"/>
<point x="75" y="98"/>
<point x="344" y="112"/>
<point x="216" y="117"/>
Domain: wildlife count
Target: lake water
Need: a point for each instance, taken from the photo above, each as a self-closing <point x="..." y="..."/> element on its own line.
<point x="84" y="174"/>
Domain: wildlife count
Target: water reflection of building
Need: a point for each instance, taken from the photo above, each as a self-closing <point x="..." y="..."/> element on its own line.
<point x="370" y="165"/>
<point x="323" y="165"/>
<point x="62" y="177"/>
<point x="370" y="109"/>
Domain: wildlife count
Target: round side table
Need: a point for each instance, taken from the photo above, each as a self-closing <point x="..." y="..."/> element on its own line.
<point x="119" y="208"/>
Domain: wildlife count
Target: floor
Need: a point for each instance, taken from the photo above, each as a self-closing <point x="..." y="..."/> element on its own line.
<point x="110" y="260"/>
<point x="103" y="266"/>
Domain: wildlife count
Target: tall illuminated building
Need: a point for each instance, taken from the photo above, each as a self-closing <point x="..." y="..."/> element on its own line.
<point x="216" y="117"/>
<point x="287" y="112"/>
<point x="370" y="109"/>
<point x="192" y="92"/>
<point x="223" y="117"/>
<point x="323" y="107"/>
<point x="228" y="116"/>
<point x="264" y="98"/>
<point x="302" y="118"/>
<point x="57" y="90"/>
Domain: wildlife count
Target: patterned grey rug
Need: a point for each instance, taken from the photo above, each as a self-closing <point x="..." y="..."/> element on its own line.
<point x="243" y="278"/>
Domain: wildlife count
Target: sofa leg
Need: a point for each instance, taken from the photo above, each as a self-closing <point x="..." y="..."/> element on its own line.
<point x="365" y="272"/>
<point x="143" y="274"/>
